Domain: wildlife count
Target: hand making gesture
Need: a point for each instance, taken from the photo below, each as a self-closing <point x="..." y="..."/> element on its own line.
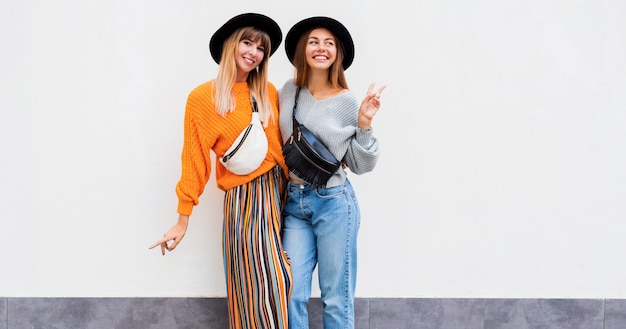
<point x="369" y="106"/>
<point x="175" y="234"/>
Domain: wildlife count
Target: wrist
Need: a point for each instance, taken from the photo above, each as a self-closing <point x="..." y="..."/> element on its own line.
<point x="364" y="124"/>
<point x="183" y="219"/>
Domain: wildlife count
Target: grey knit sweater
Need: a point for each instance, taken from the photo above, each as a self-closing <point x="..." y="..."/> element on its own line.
<point x="334" y="122"/>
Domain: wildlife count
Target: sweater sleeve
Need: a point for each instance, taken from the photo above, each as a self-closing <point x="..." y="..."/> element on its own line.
<point x="196" y="166"/>
<point x="363" y="152"/>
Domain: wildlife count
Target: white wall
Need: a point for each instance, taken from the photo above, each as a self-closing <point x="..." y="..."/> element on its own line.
<point x="502" y="128"/>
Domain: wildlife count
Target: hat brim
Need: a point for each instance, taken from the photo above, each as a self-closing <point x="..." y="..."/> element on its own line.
<point x="334" y="26"/>
<point x="258" y="21"/>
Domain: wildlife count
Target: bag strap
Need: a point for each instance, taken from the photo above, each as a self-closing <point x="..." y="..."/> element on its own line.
<point x="293" y="113"/>
<point x="254" y="107"/>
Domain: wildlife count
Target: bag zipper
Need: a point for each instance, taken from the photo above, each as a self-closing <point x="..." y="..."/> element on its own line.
<point x="309" y="159"/>
<point x="227" y="157"/>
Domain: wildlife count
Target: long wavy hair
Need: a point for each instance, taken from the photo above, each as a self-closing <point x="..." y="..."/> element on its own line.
<point x="336" y="75"/>
<point x="257" y="78"/>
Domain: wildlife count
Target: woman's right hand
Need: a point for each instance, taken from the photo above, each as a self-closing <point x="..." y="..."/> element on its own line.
<point x="175" y="234"/>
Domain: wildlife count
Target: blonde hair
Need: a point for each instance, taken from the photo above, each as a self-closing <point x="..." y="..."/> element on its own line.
<point x="257" y="79"/>
<point x="336" y="76"/>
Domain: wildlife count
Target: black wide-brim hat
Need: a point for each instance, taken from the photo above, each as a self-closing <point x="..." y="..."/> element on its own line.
<point x="258" y="21"/>
<point x="334" y="26"/>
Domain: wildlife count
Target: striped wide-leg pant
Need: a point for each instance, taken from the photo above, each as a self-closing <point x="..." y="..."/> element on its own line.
<point x="258" y="277"/>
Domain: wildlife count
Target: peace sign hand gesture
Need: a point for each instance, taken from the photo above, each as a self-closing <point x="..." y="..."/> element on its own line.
<point x="369" y="106"/>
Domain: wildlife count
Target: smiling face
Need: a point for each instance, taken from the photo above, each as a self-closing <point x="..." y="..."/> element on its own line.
<point x="321" y="49"/>
<point x="248" y="57"/>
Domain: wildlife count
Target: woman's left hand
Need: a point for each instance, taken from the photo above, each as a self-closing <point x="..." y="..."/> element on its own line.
<point x="369" y="106"/>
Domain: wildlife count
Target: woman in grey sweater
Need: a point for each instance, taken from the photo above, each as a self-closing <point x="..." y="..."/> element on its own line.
<point x="320" y="224"/>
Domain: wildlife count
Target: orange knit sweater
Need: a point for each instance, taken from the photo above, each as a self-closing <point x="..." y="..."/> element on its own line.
<point x="206" y="131"/>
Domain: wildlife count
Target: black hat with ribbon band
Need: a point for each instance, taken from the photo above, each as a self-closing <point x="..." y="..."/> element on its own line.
<point x="258" y="21"/>
<point x="334" y="26"/>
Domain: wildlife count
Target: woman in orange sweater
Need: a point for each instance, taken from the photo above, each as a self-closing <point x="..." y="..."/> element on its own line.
<point x="255" y="264"/>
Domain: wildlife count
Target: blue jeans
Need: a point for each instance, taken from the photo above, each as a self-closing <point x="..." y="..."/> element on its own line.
<point x="320" y="228"/>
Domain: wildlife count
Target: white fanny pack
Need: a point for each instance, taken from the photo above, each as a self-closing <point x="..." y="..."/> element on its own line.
<point x="249" y="150"/>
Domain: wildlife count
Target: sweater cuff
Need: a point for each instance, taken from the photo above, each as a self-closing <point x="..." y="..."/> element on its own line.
<point x="364" y="136"/>
<point x="185" y="207"/>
